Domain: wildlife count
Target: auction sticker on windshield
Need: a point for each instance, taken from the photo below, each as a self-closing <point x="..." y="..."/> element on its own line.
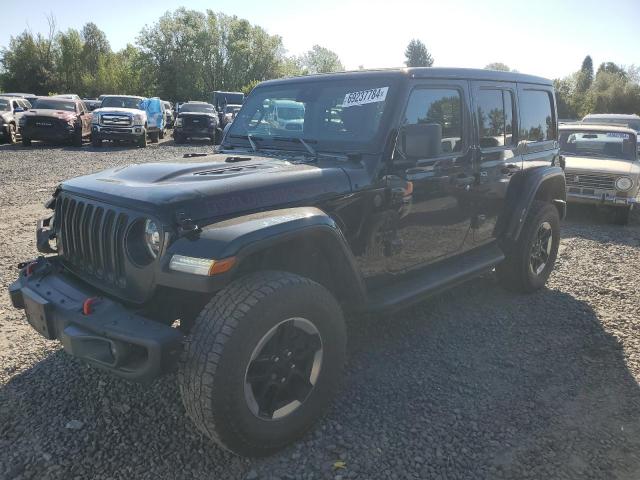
<point x="624" y="136"/>
<point x="363" y="97"/>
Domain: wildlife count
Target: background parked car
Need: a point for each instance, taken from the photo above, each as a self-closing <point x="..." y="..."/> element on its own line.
<point x="601" y="167"/>
<point x="128" y="118"/>
<point x="197" y="120"/>
<point x="629" y="121"/>
<point x="11" y="110"/>
<point x="68" y="96"/>
<point x="229" y="113"/>
<point x="91" y="104"/>
<point x="29" y="97"/>
<point x="169" y="113"/>
<point x="56" y="119"/>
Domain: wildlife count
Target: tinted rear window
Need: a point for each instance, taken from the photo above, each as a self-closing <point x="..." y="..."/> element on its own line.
<point x="536" y="116"/>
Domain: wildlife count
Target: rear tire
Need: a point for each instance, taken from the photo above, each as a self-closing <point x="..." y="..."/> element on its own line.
<point x="530" y="260"/>
<point x="227" y="374"/>
<point x="621" y="215"/>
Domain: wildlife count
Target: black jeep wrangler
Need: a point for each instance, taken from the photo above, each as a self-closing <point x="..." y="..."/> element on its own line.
<point x="376" y="190"/>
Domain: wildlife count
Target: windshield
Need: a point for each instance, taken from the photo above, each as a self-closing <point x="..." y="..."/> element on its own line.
<point x="4" y="105"/>
<point x="335" y="114"/>
<point x="598" y="144"/>
<point x="197" y="107"/>
<point x="121" y="102"/>
<point x="50" y="104"/>
<point x="633" y="124"/>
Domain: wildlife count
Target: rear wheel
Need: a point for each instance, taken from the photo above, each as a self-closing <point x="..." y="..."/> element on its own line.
<point x="263" y="361"/>
<point x="530" y="260"/>
<point x="621" y="215"/>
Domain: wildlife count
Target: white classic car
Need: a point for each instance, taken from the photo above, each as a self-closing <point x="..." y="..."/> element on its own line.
<point x="602" y="167"/>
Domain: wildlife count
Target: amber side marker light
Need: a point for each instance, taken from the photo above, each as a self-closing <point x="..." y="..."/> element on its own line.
<point x="201" y="266"/>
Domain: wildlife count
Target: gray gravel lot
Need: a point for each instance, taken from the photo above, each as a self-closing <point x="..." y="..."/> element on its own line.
<point x="476" y="383"/>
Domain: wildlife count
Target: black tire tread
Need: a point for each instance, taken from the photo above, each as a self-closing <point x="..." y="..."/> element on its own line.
<point x="511" y="272"/>
<point x="213" y="328"/>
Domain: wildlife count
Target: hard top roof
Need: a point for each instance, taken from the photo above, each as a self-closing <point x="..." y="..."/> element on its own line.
<point x="587" y="127"/>
<point x="421" y="72"/>
<point x="615" y="116"/>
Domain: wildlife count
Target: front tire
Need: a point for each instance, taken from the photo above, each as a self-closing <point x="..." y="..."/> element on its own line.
<point x="263" y="362"/>
<point x="142" y="141"/>
<point x="621" y="215"/>
<point x="11" y="134"/>
<point x="530" y="260"/>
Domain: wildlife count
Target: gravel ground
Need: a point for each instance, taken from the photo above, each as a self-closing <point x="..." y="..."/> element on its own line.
<point x="476" y="383"/>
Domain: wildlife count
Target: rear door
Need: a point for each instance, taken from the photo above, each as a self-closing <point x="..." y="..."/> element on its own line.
<point x="498" y="157"/>
<point x="537" y="132"/>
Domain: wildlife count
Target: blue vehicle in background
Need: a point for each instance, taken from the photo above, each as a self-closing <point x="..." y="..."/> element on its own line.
<point x="128" y="118"/>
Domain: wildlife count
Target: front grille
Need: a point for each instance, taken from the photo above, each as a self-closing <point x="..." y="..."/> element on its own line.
<point x="45" y="122"/>
<point x="195" y="121"/>
<point x="594" y="181"/>
<point x="116" y="120"/>
<point x="91" y="238"/>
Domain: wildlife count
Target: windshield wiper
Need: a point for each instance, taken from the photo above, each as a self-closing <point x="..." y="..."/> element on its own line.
<point x="304" y="143"/>
<point x="250" y="138"/>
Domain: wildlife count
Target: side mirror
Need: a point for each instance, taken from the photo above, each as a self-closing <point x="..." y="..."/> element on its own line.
<point x="19" y="110"/>
<point x="421" y="140"/>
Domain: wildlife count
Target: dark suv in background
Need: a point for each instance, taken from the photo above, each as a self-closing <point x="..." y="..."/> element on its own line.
<point x="398" y="184"/>
<point x="197" y="120"/>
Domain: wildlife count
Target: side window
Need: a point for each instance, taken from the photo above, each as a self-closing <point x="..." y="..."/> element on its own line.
<point x="536" y="116"/>
<point x="14" y="104"/>
<point x="442" y="108"/>
<point x="495" y="117"/>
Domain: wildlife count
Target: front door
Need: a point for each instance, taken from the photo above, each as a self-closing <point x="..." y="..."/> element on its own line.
<point x="435" y="187"/>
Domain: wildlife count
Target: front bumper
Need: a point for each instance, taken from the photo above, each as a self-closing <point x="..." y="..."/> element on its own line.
<point x="195" y="131"/>
<point x="108" y="335"/>
<point x="52" y="134"/>
<point x="600" y="198"/>
<point x="101" y="132"/>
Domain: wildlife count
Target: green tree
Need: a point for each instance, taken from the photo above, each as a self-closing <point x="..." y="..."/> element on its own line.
<point x="585" y="75"/>
<point x="502" y="67"/>
<point x="320" y="60"/>
<point x="417" y="55"/>
<point x="610" y="67"/>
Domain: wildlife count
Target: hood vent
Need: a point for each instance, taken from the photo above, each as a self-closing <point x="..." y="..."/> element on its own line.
<point x="222" y="171"/>
<point x="237" y="159"/>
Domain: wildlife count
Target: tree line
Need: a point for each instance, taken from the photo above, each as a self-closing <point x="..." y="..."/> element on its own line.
<point x="186" y="54"/>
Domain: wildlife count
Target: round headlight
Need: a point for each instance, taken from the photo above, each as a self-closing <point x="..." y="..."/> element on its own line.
<point x="152" y="237"/>
<point x="624" y="183"/>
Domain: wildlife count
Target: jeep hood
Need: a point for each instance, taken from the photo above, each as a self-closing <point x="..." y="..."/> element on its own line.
<point x="602" y="165"/>
<point x="222" y="186"/>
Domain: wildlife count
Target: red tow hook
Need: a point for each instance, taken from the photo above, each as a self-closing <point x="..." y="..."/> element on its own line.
<point x="30" y="268"/>
<point x="87" y="305"/>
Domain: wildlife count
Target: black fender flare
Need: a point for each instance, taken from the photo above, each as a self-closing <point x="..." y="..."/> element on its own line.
<point x="243" y="236"/>
<point x="538" y="183"/>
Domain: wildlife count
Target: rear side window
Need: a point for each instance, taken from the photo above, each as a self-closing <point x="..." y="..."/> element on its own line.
<point x="438" y="106"/>
<point x="495" y="117"/>
<point x="536" y="116"/>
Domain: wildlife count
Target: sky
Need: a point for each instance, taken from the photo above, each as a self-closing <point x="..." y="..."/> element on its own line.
<point x="541" y="37"/>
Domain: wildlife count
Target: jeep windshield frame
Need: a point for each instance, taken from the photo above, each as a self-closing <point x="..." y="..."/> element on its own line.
<point x="341" y="115"/>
